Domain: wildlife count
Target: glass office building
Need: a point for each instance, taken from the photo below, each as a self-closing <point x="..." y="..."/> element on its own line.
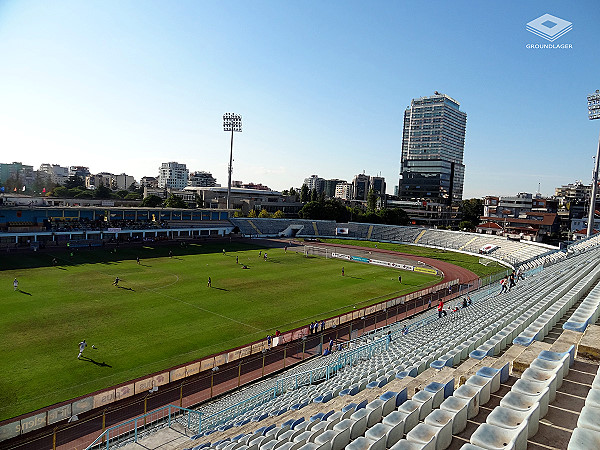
<point x="433" y="141"/>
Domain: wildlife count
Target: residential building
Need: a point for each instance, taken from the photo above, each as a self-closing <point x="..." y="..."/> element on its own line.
<point x="433" y="140"/>
<point x="573" y="192"/>
<point x="315" y="182"/>
<point x="513" y="206"/>
<point x="172" y="175"/>
<point x="100" y="179"/>
<point x="579" y="226"/>
<point x="202" y="179"/>
<point x="56" y="173"/>
<point x="16" y="171"/>
<point x="534" y="226"/>
<point x="343" y="190"/>
<point x="79" y="171"/>
<point x="123" y="181"/>
<point x="150" y="182"/>
<point x="490" y="205"/>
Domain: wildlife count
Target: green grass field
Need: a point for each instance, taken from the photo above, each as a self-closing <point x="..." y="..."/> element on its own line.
<point x="162" y="313"/>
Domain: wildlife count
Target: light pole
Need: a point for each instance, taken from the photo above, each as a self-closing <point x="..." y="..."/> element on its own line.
<point x="594" y="113"/>
<point x="231" y="122"/>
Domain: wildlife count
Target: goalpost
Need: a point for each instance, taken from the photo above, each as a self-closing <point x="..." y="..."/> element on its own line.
<point x="486" y="261"/>
<point x="310" y="250"/>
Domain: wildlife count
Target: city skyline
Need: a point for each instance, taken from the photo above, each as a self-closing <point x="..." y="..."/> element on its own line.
<point x="321" y="88"/>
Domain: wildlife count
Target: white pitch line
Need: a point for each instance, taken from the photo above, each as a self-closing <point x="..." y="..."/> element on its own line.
<point x="199" y="307"/>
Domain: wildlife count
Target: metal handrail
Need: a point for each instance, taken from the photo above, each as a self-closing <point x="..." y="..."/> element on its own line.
<point x="137" y="424"/>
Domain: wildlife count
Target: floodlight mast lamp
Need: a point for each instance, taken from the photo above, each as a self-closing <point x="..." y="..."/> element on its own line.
<point x="594" y="113"/>
<point x="231" y="122"/>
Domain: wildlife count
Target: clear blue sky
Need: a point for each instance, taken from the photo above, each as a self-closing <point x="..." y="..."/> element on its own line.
<point x="122" y="86"/>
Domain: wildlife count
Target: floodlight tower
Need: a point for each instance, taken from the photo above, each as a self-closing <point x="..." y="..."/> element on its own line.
<point x="231" y="122"/>
<point x="594" y="113"/>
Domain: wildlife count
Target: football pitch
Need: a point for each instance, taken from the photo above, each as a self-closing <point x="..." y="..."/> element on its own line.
<point x="162" y="313"/>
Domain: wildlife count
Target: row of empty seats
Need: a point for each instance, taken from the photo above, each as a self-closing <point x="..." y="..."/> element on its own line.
<point x="513" y="252"/>
<point x="587" y="312"/>
<point x="517" y="418"/>
<point x="587" y="433"/>
<point x="558" y="302"/>
<point x="427" y="420"/>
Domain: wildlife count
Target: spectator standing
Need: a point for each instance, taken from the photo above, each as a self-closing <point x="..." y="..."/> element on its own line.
<point x="503" y="285"/>
<point x="512" y="281"/>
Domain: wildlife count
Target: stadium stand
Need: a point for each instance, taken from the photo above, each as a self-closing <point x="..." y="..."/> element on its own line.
<point x="421" y="389"/>
<point x="515" y="253"/>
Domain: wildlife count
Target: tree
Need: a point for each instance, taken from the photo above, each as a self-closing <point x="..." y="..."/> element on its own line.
<point x="132" y="196"/>
<point x="292" y="192"/>
<point x="61" y="191"/>
<point x="278" y="214"/>
<point x="84" y="194"/>
<point x="74" y="181"/>
<point x="102" y="192"/>
<point x="151" y="201"/>
<point x="314" y="197"/>
<point x="133" y="187"/>
<point x="371" y="200"/>
<point x="122" y="193"/>
<point x="238" y="213"/>
<point x="14" y="182"/>
<point x="311" y="210"/>
<point x="173" y="201"/>
<point x="304" y="194"/>
<point x="472" y="210"/>
<point x="264" y="214"/>
<point x="466" y="225"/>
<point x="331" y="209"/>
<point x="42" y="183"/>
<point x="394" y="216"/>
